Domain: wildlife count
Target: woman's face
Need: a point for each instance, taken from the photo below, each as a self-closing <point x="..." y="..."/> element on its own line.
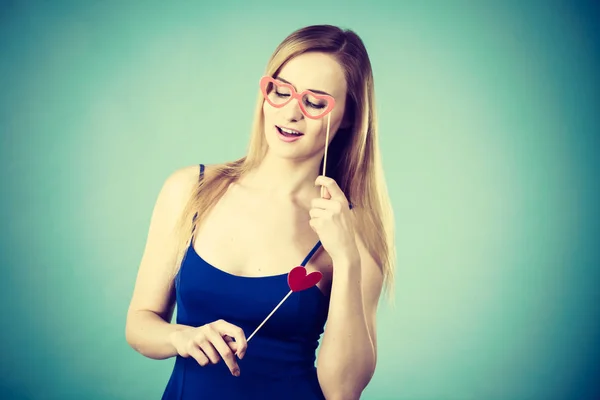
<point x="317" y="72"/>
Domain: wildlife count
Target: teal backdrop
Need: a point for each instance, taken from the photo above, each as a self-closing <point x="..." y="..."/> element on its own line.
<point x="489" y="131"/>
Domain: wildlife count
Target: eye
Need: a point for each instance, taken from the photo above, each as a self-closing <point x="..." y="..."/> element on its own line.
<point x="313" y="105"/>
<point x="280" y="94"/>
<point x="314" y="102"/>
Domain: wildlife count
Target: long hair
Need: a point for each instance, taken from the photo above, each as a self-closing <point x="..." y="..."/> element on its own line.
<point x="354" y="159"/>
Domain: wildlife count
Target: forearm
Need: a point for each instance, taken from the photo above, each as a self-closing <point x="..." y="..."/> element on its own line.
<point x="150" y="335"/>
<point x="347" y="356"/>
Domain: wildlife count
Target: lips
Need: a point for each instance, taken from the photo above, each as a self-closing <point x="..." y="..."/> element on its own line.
<point x="288" y="131"/>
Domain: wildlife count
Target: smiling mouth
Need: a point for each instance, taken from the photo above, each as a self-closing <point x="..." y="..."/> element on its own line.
<point x="288" y="132"/>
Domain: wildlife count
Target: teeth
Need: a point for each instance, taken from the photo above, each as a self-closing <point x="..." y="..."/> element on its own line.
<point x="289" y="131"/>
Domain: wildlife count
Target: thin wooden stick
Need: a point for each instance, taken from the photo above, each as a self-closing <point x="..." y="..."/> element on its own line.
<point x="269" y="316"/>
<point x="325" y="156"/>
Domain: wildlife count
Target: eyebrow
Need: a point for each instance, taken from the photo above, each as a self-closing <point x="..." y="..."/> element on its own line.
<point x="312" y="90"/>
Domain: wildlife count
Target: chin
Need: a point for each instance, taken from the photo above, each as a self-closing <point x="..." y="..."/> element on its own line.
<point x="284" y="150"/>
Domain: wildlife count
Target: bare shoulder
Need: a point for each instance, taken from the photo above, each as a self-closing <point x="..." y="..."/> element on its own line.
<point x="179" y="184"/>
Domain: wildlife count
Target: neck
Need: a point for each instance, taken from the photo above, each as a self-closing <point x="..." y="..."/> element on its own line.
<point x="284" y="178"/>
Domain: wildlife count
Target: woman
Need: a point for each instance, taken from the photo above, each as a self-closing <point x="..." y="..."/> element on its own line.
<point x="223" y="238"/>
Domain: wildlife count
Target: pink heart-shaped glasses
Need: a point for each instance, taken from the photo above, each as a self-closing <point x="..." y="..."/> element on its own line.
<point x="279" y="94"/>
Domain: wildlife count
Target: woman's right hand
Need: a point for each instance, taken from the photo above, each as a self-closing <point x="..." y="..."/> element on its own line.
<point x="212" y="342"/>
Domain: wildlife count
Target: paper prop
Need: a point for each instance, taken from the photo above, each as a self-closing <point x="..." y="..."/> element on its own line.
<point x="298" y="280"/>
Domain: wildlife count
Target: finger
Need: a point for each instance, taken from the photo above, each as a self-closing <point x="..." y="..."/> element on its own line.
<point x="332" y="187"/>
<point x="233" y="346"/>
<point x="324" y="204"/>
<point x="315" y="224"/>
<point x="325" y="193"/>
<point x="226" y="354"/>
<point x="319" y="213"/>
<point x="208" y="349"/>
<point x="235" y="332"/>
<point x="198" y="355"/>
<point x="231" y="343"/>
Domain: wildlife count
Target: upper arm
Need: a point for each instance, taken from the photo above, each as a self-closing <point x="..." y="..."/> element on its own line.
<point x="154" y="288"/>
<point x="372" y="283"/>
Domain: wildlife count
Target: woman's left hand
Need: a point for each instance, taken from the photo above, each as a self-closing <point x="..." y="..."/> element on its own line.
<point x="331" y="219"/>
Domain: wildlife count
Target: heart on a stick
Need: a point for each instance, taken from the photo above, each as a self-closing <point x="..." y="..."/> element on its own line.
<point x="298" y="280"/>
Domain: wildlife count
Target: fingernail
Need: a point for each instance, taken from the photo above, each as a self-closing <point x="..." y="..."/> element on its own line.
<point x="236" y="372"/>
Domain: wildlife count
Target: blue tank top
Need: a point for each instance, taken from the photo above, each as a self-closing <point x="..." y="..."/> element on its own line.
<point x="280" y="359"/>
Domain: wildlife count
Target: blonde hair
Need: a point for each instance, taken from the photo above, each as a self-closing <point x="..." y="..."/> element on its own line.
<point x="354" y="158"/>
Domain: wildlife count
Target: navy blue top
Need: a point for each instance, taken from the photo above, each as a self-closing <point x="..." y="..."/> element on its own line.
<point x="280" y="359"/>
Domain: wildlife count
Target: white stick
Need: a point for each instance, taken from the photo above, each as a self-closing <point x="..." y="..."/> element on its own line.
<point x="325" y="156"/>
<point x="269" y="316"/>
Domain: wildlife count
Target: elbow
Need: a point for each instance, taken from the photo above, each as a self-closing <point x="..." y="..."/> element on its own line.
<point x="136" y="343"/>
<point x="139" y="336"/>
<point x="130" y="325"/>
<point x="342" y="393"/>
<point x="130" y="336"/>
<point x="345" y="385"/>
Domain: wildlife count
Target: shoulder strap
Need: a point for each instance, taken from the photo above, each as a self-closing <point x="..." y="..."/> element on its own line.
<point x="311" y="254"/>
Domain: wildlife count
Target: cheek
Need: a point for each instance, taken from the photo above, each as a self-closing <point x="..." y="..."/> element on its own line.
<point x="320" y="126"/>
<point x="269" y="113"/>
<point x="315" y="128"/>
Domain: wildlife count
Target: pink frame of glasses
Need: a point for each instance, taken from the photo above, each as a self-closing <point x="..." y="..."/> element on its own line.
<point x="294" y="95"/>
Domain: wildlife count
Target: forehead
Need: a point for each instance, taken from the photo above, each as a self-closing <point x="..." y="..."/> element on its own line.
<point x="316" y="71"/>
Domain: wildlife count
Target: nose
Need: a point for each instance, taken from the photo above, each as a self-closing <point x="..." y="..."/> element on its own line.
<point x="292" y="111"/>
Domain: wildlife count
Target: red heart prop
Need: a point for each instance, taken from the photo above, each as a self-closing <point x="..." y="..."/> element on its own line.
<point x="298" y="280"/>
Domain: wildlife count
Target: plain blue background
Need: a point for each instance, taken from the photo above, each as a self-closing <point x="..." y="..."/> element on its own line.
<point x="489" y="132"/>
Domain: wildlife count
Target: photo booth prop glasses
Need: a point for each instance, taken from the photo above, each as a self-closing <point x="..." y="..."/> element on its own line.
<point x="279" y="94"/>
